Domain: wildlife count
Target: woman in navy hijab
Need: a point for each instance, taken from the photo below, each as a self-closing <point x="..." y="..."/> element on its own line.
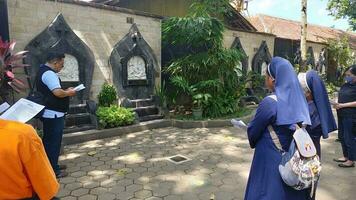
<point x="283" y="110"/>
<point x="346" y="114"/>
<point x="322" y="119"/>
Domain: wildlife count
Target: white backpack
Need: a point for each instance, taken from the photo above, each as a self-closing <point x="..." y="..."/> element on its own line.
<point x="300" y="166"/>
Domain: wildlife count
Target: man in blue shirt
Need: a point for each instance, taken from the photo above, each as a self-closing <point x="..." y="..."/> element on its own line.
<point x="56" y="105"/>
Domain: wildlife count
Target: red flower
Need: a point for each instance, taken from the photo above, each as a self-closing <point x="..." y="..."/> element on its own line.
<point x="8" y="62"/>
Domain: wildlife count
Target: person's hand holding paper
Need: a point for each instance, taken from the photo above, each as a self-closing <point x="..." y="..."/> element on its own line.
<point x="79" y="87"/>
<point x="239" y="124"/>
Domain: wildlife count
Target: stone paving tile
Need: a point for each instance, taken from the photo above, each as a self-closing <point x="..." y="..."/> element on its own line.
<point x="107" y="196"/>
<point x="73" y="186"/>
<point x="142" y="194"/>
<point x="134" y="166"/>
<point x="88" y="197"/>
<point x="154" y="198"/>
<point x="79" y="192"/>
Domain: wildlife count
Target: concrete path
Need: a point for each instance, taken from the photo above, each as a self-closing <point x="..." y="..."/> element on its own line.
<point x="134" y="166"/>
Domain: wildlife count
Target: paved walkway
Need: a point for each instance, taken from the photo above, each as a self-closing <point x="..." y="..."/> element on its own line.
<point x="134" y="167"/>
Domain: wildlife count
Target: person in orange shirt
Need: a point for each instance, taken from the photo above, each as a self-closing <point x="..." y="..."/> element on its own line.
<point x="25" y="172"/>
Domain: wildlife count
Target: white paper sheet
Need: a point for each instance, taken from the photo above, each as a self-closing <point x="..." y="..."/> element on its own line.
<point x="239" y="124"/>
<point x="4" y="107"/>
<point x="79" y="87"/>
<point x="23" y="110"/>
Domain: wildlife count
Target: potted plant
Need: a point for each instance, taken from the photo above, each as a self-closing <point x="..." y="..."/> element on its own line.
<point x="199" y="100"/>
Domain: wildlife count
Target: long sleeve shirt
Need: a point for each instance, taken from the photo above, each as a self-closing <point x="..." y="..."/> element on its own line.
<point x="24" y="166"/>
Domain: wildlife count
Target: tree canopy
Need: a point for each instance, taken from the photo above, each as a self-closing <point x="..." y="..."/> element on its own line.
<point x="344" y="9"/>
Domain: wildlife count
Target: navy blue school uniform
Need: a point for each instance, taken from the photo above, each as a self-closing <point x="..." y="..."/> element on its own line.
<point x="282" y="110"/>
<point x="322" y="118"/>
<point x="265" y="182"/>
<point x="347" y="121"/>
<point x="315" y="130"/>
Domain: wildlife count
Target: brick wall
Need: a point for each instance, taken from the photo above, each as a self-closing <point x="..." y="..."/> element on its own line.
<point x="99" y="28"/>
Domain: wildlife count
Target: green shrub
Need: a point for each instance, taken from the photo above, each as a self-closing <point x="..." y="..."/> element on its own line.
<point x="114" y="116"/>
<point x="208" y="73"/>
<point x="107" y="95"/>
<point x="330" y="88"/>
<point x="256" y="79"/>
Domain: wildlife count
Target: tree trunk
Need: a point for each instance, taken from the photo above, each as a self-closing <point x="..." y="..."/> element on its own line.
<point x="303" y="39"/>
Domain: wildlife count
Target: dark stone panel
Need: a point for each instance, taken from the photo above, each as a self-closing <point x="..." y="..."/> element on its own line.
<point x="58" y="36"/>
<point x="79" y="108"/>
<point x="244" y="62"/>
<point x="144" y="111"/>
<point x="4" y="21"/>
<point x="77" y="119"/>
<point x="151" y="117"/>
<point x="310" y="57"/>
<point x="262" y="55"/>
<point x="288" y="49"/>
<point x="322" y="61"/>
<point x="133" y="44"/>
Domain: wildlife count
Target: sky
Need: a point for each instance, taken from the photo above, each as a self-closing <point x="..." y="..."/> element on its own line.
<point x="290" y="9"/>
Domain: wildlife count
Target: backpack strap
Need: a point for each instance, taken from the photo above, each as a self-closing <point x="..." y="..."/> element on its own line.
<point x="271" y="131"/>
<point x="275" y="138"/>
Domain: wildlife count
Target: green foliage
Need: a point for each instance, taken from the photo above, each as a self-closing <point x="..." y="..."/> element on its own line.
<point x="256" y="79"/>
<point x="297" y="68"/>
<point x="340" y="53"/>
<point x="195" y="31"/>
<point x="343" y="9"/>
<point x="209" y="73"/>
<point x="114" y="116"/>
<point x="200" y="100"/>
<point x="330" y="88"/>
<point x="215" y="8"/>
<point x="107" y="95"/>
<point x="161" y="93"/>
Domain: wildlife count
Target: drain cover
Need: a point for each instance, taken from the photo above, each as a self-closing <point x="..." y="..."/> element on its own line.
<point x="177" y="159"/>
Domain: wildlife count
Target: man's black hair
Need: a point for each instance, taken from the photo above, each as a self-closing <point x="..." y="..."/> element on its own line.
<point x="353" y="69"/>
<point x="54" y="55"/>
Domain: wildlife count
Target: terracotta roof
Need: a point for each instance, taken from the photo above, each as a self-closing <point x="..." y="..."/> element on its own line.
<point x="235" y="20"/>
<point x="290" y="29"/>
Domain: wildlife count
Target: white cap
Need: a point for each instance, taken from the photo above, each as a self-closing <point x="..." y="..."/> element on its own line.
<point x="302" y="77"/>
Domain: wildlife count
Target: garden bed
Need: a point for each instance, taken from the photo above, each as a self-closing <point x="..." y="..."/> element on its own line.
<point x="79" y="137"/>
<point x="239" y="113"/>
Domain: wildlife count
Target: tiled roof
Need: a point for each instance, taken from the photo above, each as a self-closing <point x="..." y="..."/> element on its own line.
<point x="290" y="29"/>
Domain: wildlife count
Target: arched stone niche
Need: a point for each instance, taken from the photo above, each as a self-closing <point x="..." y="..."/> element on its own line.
<point x="244" y="62"/>
<point x="310" y="57"/>
<point x="79" y="61"/>
<point x="135" y="66"/>
<point x="322" y="61"/>
<point x="261" y="59"/>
